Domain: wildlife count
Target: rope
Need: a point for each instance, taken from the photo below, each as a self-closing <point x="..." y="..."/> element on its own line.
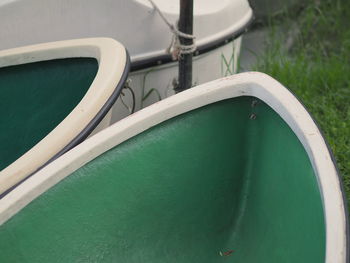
<point x="127" y="86"/>
<point x="176" y="48"/>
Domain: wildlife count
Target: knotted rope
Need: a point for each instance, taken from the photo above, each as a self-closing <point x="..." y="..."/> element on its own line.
<point x="176" y="48"/>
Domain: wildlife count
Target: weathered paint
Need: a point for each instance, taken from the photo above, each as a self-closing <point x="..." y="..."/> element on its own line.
<point x="36" y="97"/>
<point x="226" y="182"/>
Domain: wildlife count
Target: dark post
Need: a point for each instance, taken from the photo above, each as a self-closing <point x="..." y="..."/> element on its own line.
<point x="185" y="60"/>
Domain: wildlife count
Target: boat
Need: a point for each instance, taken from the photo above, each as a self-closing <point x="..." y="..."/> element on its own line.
<point x="53" y="96"/>
<point x="138" y="25"/>
<point x="233" y="170"/>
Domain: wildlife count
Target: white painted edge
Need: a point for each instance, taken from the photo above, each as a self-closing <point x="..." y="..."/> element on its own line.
<point x="245" y="84"/>
<point x="111" y="57"/>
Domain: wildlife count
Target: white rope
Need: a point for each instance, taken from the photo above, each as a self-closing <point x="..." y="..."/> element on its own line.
<point x="176" y="48"/>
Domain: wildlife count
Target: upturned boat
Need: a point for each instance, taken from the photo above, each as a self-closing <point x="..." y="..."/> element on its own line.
<point x="234" y="170"/>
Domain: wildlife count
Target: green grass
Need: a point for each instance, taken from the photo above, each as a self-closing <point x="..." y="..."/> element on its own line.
<point x="316" y="68"/>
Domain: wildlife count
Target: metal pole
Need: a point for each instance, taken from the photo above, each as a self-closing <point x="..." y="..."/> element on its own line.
<point x="185" y="60"/>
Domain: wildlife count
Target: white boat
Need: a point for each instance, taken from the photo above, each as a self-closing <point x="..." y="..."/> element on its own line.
<point x="53" y="96"/>
<point x="218" y="26"/>
<point x="234" y="170"/>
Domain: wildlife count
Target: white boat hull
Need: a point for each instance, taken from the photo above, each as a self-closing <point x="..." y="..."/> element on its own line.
<point x="220" y="62"/>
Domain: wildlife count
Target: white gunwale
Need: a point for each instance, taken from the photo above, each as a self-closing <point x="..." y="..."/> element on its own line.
<point x="246" y="84"/>
<point x="111" y="57"/>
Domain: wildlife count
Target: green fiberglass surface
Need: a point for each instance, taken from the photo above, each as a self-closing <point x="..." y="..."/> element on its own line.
<point x="217" y="184"/>
<point x="35" y="98"/>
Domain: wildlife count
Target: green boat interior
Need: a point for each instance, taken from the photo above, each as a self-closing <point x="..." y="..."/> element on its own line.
<point x="228" y="182"/>
<point x="36" y="97"/>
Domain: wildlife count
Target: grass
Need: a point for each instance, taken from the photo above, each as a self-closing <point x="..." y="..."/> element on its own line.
<point x="316" y="67"/>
